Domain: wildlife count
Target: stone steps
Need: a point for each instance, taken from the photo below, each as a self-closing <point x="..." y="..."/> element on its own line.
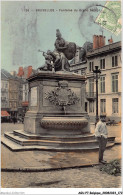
<point x="24" y="141"/>
<point x="83" y="144"/>
<point x="17" y="147"/>
<point x="69" y="138"/>
<point x="54" y="138"/>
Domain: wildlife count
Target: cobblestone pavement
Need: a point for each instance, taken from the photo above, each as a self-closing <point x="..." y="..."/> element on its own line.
<point x="90" y="177"/>
<point x="9" y="127"/>
<point x="45" y="160"/>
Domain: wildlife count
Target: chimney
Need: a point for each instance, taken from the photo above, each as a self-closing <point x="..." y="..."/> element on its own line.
<point x="95" y="41"/>
<point x="104" y="40"/>
<point x="98" y="41"/>
<point x="110" y="41"/>
<point x="20" y="72"/>
<point x="101" y="41"/>
<point x="29" y="71"/>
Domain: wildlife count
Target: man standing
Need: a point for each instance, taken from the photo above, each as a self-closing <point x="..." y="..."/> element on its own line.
<point x="101" y="134"/>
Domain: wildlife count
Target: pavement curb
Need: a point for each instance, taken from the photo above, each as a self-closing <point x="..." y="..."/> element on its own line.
<point x="44" y="170"/>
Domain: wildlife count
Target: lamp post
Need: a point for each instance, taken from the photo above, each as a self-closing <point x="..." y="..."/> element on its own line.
<point x="97" y="72"/>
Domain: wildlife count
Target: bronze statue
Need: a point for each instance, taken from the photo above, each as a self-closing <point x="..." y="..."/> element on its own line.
<point x="58" y="59"/>
<point x="52" y="61"/>
<point x="68" y="48"/>
<point x="61" y="45"/>
<point x="48" y="62"/>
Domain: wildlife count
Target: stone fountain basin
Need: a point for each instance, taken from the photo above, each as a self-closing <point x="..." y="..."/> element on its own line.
<point x="64" y="123"/>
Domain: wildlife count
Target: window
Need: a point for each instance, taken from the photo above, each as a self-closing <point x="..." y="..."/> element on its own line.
<point x="102" y="63"/>
<point x="82" y="71"/>
<point x="6" y="85"/>
<point x="103" y="106"/>
<point x="91" y="85"/>
<point x="102" y="84"/>
<point x="86" y="107"/>
<point x="2" y="84"/>
<point x="10" y="104"/>
<point x="15" y="95"/>
<point x="25" y="86"/>
<point x="12" y="95"/>
<point x="23" y="96"/>
<point x="26" y="96"/>
<point x="114" y="61"/>
<point x="115" y="105"/>
<point x="115" y="83"/>
<point x="15" y="104"/>
<point x="91" y="66"/>
<point x="91" y="106"/>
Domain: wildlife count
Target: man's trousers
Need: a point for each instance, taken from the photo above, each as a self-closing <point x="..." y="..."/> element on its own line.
<point x="102" y="145"/>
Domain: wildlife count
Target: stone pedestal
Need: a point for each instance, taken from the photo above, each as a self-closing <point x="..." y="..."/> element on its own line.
<point x="56" y="120"/>
<point x="56" y="104"/>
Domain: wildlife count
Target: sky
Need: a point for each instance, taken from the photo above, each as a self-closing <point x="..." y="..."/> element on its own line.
<point x="26" y="28"/>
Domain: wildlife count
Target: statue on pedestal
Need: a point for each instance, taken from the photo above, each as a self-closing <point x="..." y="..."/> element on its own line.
<point x="58" y="59"/>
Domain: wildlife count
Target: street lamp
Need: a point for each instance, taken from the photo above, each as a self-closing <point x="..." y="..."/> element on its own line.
<point x="97" y="73"/>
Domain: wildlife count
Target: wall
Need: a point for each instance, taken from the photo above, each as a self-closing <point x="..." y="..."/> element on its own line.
<point x="109" y="70"/>
<point x="4" y="94"/>
<point x="15" y="94"/>
<point x="25" y="91"/>
<point x="108" y="95"/>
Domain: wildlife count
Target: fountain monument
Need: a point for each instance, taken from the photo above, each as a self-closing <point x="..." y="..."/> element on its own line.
<point x="56" y="119"/>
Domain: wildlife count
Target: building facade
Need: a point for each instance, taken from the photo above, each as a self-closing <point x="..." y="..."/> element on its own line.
<point x="25" y="73"/>
<point x="25" y="100"/>
<point x="15" y="96"/>
<point x="108" y="59"/>
<point x="11" y="91"/>
<point x="4" y="92"/>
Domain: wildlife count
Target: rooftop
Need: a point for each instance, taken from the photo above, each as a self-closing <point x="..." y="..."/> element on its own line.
<point x="5" y="75"/>
<point x="105" y="49"/>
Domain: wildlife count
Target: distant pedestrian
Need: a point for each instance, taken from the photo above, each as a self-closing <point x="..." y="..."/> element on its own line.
<point x="22" y="119"/>
<point x="14" y="120"/>
<point x="101" y="134"/>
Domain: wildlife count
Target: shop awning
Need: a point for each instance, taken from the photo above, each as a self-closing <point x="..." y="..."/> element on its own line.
<point x="4" y="113"/>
